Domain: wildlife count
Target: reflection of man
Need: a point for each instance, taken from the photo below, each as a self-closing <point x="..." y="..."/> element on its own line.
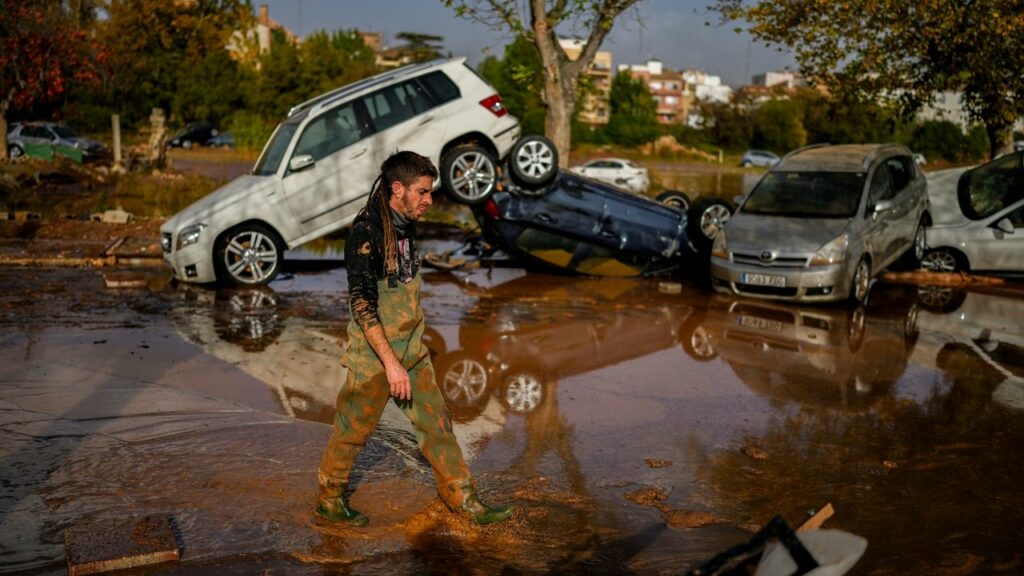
<point x="386" y="356"/>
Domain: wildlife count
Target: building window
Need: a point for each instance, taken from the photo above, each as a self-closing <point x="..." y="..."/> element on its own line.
<point x="672" y="100"/>
<point x="655" y="85"/>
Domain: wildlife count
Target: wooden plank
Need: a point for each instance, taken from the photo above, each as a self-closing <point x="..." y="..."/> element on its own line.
<point x="100" y="546"/>
<point x="819" y="518"/>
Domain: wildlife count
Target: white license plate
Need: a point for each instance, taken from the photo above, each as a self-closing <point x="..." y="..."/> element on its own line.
<point x="764" y="280"/>
<point x="759" y="323"/>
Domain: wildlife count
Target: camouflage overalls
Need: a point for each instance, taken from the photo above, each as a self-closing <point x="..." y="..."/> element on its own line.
<point x="366" y="392"/>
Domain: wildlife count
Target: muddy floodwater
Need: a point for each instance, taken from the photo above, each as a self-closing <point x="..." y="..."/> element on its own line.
<point x="634" y="431"/>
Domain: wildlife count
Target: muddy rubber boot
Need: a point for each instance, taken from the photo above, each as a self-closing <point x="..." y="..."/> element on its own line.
<point x="331" y="506"/>
<point x="481" y="513"/>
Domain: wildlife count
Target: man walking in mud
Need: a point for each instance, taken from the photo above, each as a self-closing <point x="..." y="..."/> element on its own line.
<point x="386" y="357"/>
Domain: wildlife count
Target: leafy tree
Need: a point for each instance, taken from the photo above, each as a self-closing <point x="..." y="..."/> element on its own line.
<point x="634" y="113"/>
<point x="518" y="78"/>
<point x="537" y="22"/>
<point x="778" y="125"/>
<point x="904" y="51"/>
<point x="214" y="90"/>
<point x="843" y="119"/>
<point x="728" y="125"/>
<point x="330" y="60"/>
<point x="156" y="47"/>
<point x="44" y="55"/>
<point x="938" y="139"/>
<point x="421" y="47"/>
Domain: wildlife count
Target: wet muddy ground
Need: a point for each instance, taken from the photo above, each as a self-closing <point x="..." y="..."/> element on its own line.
<point x="635" y="431"/>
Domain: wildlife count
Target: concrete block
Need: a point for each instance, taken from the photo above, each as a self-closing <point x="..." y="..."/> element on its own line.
<point x="113" y="216"/>
<point x="95" y="546"/>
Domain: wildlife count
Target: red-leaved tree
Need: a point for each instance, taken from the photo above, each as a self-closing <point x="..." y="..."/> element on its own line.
<point x="43" y="55"/>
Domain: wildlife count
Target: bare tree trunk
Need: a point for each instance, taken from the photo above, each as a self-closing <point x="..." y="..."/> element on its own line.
<point x="1000" y="139"/>
<point x="3" y="138"/>
<point x="558" y="119"/>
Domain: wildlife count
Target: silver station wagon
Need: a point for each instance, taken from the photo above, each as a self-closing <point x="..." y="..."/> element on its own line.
<point x="822" y="223"/>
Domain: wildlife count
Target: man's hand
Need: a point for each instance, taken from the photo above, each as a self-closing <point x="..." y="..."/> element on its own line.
<point x="398" y="379"/>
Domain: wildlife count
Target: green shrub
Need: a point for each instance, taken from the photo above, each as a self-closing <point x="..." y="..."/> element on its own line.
<point x="250" y="131"/>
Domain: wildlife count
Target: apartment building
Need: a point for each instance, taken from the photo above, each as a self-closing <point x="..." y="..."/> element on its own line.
<point x="667" y="87"/>
<point x="595" y="108"/>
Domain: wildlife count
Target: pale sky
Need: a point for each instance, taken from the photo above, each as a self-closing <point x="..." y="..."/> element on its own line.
<point x="672" y="31"/>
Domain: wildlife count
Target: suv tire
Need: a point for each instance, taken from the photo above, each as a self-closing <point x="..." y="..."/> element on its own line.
<point x="248" y="255"/>
<point x="533" y="161"/>
<point x="469" y="174"/>
<point x="675" y="199"/>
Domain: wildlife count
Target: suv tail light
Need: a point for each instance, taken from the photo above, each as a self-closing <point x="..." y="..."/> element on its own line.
<point x="491" y="209"/>
<point x="493" y="103"/>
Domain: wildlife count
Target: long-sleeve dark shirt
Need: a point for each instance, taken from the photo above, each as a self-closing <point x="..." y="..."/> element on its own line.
<point x="364" y="262"/>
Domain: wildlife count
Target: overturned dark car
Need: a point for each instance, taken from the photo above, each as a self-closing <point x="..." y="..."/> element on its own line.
<point x="556" y="221"/>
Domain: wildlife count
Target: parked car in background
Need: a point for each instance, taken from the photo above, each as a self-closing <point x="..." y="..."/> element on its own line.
<point x="822" y="222"/>
<point x="617" y="172"/>
<point x="759" y="158"/>
<point x="316" y="170"/>
<point x="222" y="140"/>
<point x="978" y="217"/>
<point x="22" y="133"/>
<point x="193" y="134"/>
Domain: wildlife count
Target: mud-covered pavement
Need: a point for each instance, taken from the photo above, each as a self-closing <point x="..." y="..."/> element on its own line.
<point x="636" y="432"/>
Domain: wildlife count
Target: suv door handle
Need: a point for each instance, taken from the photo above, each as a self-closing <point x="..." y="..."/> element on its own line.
<point x="357" y="154"/>
<point x="425" y="120"/>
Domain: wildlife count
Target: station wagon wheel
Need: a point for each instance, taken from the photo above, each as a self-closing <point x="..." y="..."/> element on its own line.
<point x="533" y="161"/>
<point x="941" y="260"/>
<point x="248" y="255"/>
<point x="468" y="174"/>
<point x="861" y="281"/>
<point x="705" y="218"/>
<point x="523" y="392"/>
<point x="15" y="152"/>
<point x="675" y="199"/>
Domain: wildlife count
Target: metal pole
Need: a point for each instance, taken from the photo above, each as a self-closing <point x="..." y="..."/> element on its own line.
<point x="115" y="120"/>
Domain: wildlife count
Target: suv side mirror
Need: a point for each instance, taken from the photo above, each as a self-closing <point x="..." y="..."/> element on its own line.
<point x="883" y="206"/>
<point x="1004" y="225"/>
<point x="301" y="162"/>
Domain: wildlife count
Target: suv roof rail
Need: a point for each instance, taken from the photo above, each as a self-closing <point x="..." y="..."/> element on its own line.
<point x="878" y="150"/>
<point x="802" y="149"/>
<point x="348" y="89"/>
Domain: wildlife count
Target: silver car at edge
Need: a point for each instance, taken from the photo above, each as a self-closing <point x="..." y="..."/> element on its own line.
<point x="822" y="223"/>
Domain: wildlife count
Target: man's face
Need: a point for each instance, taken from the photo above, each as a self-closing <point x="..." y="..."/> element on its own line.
<point x="413" y="200"/>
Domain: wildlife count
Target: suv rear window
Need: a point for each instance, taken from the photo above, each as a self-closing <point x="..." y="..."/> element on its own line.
<point x="440" y="87"/>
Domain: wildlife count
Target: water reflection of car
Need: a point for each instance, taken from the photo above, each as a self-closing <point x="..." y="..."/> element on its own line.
<point x="584" y="226"/>
<point x="617" y="172"/>
<point x="822" y="222"/>
<point x="812" y="355"/>
<point x="984" y="333"/>
<point x="511" y="347"/>
<point x="978" y="217"/>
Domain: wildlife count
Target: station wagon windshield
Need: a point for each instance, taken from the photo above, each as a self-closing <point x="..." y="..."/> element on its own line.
<point x="274" y="152"/>
<point x="806" y="195"/>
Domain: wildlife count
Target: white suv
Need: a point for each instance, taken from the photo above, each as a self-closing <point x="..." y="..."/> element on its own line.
<point x="317" y="168"/>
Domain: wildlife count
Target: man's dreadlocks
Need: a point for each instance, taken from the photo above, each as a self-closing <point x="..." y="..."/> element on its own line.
<point x="404" y="167"/>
